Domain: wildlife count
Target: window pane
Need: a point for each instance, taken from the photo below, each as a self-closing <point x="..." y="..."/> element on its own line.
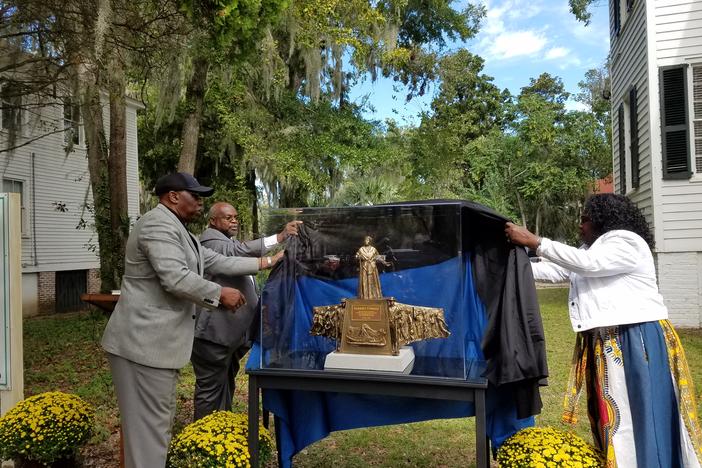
<point x="697" y="91"/>
<point x="71" y="122"/>
<point x="10" y="106"/>
<point x="13" y="186"/>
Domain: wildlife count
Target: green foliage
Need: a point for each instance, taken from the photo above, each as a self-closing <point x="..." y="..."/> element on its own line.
<point x="232" y="25"/>
<point x="46" y="427"/>
<point x="466" y="107"/>
<point x="580" y="8"/>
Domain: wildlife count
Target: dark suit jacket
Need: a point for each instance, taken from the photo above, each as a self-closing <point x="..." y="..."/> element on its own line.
<point x="231" y="329"/>
<point x="153" y="321"/>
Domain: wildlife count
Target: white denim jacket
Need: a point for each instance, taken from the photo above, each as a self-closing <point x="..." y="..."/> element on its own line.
<point x="611" y="283"/>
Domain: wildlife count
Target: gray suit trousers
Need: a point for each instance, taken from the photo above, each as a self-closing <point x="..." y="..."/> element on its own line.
<point x="147" y="404"/>
<point x="215" y="368"/>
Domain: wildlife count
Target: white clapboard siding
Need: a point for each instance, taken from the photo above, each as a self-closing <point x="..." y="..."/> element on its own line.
<point x="629" y="68"/>
<point x="678" y="40"/>
<point x="54" y="180"/>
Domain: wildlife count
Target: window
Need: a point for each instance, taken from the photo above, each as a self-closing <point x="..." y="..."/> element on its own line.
<point x="616" y="19"/>
<point x="628" y="141"/>
<point x="17" y="186"/>
<point x="674" y="123"/>
<point x="10" y="107"/>
<point x="621" y="119"/>
<point x="681" y="120"/>
<point x="71" y="122"/>
<point x="634" y="137"/>
<point x="697" y="115"/>
<point x="620" y="11"/>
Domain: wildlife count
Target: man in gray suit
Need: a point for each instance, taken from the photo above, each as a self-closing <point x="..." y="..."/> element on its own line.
<point x="221" y="340"/>
<point x="150" y="333"/>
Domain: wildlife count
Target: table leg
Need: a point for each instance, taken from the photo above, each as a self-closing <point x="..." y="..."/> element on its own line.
<point x="253" y="421"/>
<point x="121" y="448"/>
<point x="481" y="445"/>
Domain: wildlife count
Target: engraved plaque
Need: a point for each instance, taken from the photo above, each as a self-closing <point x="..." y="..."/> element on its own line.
<point x="366" y="327"/>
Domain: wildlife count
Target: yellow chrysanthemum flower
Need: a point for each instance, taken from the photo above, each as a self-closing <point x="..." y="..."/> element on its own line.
<point x="545" y="447"/>
<point x="217" y="440"/>
<point x="46" y="427"/>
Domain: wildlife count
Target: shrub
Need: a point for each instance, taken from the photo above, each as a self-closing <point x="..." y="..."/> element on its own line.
<point x="46" y="428"/>
<point x="218" y="440"/>
<point x="547" y="447"/>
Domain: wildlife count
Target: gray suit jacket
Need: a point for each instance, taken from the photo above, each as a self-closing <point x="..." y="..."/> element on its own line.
<point x="154" y="320"/>
<point x="230" y="330"/>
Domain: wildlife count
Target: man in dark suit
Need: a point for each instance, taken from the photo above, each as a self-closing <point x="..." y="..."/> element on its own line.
<point x="150" y="333"/>
<point x="221" y="340"/>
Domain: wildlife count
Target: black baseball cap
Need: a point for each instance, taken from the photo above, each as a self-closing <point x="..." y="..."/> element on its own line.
<point x="181" y="181"/>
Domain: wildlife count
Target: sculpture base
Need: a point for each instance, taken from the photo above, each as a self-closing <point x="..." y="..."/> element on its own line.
<point x="402" y="363"/>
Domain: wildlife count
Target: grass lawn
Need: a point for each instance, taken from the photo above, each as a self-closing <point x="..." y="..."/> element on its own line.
<point x="62" y="352"/>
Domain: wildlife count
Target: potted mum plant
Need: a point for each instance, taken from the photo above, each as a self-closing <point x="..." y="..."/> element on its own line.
<point x="217" y="440"/>
<point x="547" y="446"/>
<point x="46" y="430"/>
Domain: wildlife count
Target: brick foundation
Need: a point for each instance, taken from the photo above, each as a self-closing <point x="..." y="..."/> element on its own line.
<point x="47" y="292"/>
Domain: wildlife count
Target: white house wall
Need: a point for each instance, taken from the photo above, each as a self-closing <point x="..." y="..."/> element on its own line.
<point x="678" y="40"/>
<point x="680" y="282"/>
<point x="58" y="180"/>
<point x="629" y="68"/>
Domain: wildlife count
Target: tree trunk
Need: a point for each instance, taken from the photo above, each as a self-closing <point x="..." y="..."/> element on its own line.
<point x="194" y="98"/>
<point x="97" y="152"/>
<point x="251" y="187"/>
<point x="537" y="222"/>
<point x="522" y="211"/>
<point x="117" y="168"/>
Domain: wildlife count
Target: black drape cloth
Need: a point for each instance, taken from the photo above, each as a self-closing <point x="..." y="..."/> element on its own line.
<point x="513" y="343"/>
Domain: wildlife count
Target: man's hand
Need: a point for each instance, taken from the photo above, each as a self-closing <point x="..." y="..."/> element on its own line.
<point x="519" y="235"/>
<point x="278" y="257"/>
<point x="231" y="298"/>
<point x="290" y="229"/>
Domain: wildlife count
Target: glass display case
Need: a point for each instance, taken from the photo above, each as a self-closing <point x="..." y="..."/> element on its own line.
<point x="422" y="261"/>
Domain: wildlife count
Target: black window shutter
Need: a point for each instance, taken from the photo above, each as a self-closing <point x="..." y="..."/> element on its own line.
<point x="622" y="150"/>
<point x="616" y="19"/>
<point x="634" y="139"/>
<point x="674" y="120"/>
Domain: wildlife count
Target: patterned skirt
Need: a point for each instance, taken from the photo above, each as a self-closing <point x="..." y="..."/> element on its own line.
<point x="640" y="397"/>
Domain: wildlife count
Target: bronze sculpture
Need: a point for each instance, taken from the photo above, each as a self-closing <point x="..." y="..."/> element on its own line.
<point x="371" y="323"/>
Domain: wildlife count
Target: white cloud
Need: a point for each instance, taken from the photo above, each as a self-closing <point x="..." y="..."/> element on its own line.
<point x="571" y="62"/>
<point x="516" y="43"/>
<point x="556" y="52"/>
<point x="512" y="10"/>
<point x="573" y="105"/>
<point x="523" y="10"/>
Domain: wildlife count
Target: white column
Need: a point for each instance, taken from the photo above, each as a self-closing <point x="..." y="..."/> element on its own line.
<point x="11" y="358"/>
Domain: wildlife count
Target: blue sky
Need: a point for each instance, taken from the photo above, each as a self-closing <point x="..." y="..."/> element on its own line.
<point x="519" y="40"/>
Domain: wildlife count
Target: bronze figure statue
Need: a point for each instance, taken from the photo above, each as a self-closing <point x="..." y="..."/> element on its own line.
<point x="368" y="278"/>
<point x="362" y="325"/>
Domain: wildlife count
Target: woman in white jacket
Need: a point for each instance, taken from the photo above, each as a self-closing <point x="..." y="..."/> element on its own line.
<point x="639" y="391"/>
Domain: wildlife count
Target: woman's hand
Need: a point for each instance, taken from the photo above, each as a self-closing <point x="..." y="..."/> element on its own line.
<point x="521" y="236"/>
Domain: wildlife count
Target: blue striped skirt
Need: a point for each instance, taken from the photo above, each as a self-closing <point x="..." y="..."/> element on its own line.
<point x="640" y="397"/>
